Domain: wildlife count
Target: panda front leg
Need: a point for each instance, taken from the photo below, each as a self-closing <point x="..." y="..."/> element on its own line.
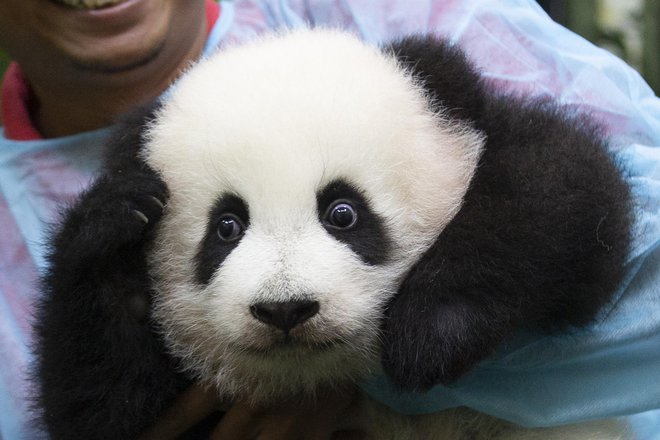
<point x="101" y="369"/>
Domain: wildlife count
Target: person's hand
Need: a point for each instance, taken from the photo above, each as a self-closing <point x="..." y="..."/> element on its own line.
<point x="190" y="408"/>
<point x="332" y="415"/>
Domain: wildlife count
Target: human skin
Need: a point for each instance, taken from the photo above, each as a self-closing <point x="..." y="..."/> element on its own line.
<point x="86" y="67"/>
<point x="324" y="418"/>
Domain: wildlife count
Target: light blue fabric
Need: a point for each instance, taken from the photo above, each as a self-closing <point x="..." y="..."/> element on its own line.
<point x="35" y="208"/>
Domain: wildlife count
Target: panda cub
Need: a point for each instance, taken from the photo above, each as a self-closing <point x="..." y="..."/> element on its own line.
<point x="306" y="210"/>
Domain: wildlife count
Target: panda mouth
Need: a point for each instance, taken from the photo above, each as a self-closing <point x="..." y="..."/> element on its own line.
<point x="288" y="345"/>
<point x="88" y="4"/>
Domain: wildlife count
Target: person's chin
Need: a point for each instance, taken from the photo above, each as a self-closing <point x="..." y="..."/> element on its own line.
<point x="122" y="36"/>
<point x="107" y="63"/>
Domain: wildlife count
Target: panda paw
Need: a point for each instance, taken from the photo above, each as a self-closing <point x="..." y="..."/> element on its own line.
<point x="114" y="214"/>
<point x="437" y="343"/>
<point x="155" y="202"/>
<point x="120" y="212"/>
<point x="147" y="210"/>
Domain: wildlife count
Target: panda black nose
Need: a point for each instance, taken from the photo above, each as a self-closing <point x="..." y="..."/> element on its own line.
<point x="284" y="315"/>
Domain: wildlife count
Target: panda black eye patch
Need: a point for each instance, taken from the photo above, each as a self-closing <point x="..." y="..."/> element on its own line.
<point x="344" y="212"/>
<point x="227" y="222"/>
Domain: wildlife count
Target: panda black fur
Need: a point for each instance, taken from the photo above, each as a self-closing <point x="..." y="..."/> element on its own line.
<point x="330" y="209"/>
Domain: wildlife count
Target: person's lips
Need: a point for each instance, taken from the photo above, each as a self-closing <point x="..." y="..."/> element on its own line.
<point x="88" y="4"/>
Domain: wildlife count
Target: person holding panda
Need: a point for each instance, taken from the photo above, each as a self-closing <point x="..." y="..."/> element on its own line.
<point x="79" y="65"/>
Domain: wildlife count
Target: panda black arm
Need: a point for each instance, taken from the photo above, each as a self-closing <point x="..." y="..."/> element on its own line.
<point x="101" y="370"/>
<point x="540" y="241"/>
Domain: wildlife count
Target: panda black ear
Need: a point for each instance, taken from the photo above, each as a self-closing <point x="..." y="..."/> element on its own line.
<point x="445" y="72"/>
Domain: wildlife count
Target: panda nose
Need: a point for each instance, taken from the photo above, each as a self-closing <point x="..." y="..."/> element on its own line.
<point x="284" y="315"/>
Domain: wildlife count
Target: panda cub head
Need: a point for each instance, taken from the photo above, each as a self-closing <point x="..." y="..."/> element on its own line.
<point x="307" y="174"/>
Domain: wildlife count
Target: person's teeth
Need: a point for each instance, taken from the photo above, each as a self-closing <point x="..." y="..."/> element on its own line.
<point x="89" y="4"/>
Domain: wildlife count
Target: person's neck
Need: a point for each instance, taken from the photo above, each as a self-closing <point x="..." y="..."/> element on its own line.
<point x="76" y="101"/>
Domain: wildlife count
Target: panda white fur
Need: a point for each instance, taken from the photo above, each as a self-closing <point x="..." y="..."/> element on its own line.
<point x="331" y="210"/>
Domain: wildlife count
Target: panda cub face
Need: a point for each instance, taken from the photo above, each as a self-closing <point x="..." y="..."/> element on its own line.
<point x="306" y="175"/>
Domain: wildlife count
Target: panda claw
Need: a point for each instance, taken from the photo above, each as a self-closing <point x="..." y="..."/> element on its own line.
<point x="157" y="202"/>
<point x="140" y="215"/>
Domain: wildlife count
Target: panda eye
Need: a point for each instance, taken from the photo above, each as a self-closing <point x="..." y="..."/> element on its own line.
<point x="341" y="214"/>
<point x="230" y="228"/>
